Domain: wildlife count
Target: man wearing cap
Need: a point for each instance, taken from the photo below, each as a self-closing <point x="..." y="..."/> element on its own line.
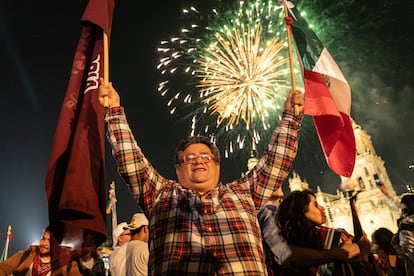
<point x="121" y="235"/>
<point x="137" y="252"/>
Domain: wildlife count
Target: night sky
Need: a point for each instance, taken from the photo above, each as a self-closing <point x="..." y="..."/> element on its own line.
<point x="370" y="40"/>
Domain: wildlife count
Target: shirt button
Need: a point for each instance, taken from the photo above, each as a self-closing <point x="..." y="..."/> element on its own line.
<point x="209" y="229"/>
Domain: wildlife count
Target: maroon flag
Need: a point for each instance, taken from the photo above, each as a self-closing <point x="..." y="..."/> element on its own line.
<point x="75" y="180"/>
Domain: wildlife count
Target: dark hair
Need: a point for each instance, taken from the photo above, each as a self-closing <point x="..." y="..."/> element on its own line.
<point x="382" y="237"/>
<point x="196" y="140"/>
<point x="408" y="201"/>
<point x="137" y="230"/>
<point x="294" y="226"/>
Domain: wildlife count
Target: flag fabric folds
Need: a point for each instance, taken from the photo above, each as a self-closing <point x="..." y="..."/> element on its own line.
<point x="75" y="180"/>
<point x="327" y="97"/>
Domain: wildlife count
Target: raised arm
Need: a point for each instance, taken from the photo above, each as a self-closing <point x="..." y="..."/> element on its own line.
<point x="107" y="91"/>
<point x="276" y="162"/>
<point x="142" y="178"/>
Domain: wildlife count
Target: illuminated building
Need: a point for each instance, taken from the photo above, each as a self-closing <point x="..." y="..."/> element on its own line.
<point x="375" y="209"/>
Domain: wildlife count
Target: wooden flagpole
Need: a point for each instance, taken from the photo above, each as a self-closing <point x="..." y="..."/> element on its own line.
<point x="106" y="64"/>
<point x="6" y="247"/>
<point x="358" y="232"/>
<point x="289" y="35"/>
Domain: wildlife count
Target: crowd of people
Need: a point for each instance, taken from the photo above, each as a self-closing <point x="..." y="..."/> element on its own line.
<point x="129" y="256"/>
<point x="198" y="225"/>
<point x="294" y="243"/>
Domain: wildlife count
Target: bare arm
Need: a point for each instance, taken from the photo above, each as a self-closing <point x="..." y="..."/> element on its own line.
<point x="303" y="256"/>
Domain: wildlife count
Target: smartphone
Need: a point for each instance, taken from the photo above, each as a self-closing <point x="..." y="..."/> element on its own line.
<point x="377" y="180"/>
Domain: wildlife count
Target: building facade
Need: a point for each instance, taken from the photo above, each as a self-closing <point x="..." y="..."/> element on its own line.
<point x="374" y="208"/>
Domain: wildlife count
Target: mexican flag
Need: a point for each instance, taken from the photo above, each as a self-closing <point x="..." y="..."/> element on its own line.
<point x="327" y="97"/>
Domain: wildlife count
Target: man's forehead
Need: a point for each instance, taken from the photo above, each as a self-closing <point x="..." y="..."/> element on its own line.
<point x="196" y="148"/>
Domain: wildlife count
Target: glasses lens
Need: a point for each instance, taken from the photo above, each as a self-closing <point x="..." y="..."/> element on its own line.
<point x="205" y="156"/>
<point x="192" y="157"/>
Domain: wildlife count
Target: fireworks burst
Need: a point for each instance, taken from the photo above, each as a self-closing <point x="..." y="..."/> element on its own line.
<point x="228" y="71"/>
<point x="237" y="79"/>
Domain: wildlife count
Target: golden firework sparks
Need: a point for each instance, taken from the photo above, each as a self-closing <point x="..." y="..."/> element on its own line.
<point x="240" y="73"/>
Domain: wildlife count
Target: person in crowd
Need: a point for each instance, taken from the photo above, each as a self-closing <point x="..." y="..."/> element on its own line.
<point x="36" y="261"/>
<point x="296" y="238"/>
<point x="272" y="241"/>
<point x="198" y="225"/>
<point x="404" y="241"/>
<point x="137" y="252"/>
<point x="387" y="261"/>
<point x="91" y="265"/>
<point x="279" y="253"/>
<point x="121" y="235"/>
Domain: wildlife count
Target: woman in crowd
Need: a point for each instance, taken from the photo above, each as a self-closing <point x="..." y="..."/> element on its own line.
<point x="387" y="261"/>
<point x="300" y="219"/>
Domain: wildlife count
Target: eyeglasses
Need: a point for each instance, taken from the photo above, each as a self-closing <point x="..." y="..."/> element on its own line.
<point x="192" y="158"/>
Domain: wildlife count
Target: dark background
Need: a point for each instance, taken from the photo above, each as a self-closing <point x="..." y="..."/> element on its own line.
<point x="370" y="40"/>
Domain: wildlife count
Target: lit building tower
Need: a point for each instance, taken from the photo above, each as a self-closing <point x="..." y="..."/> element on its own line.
<point x="296" y="183"/>
<point x="252" y="161"/>
<point x="375" y="210"/>
<point x="369" y="167"/>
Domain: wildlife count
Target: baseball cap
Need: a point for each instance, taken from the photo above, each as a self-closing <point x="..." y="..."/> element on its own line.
<point x="118" y="231"/>
<point x="138" y="220"/>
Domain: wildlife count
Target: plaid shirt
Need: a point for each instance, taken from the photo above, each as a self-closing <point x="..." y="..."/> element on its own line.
<point x="216" y="233"/>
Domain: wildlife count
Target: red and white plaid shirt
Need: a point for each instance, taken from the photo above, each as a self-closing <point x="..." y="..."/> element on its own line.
<point x="216" y="233"/>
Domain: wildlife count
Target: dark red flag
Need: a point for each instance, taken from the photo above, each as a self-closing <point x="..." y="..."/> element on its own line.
<point x="75" y="180"/>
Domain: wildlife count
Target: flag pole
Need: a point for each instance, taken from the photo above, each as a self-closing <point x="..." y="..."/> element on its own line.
<point x="6" y="247"/>
<point x="289" y="34"/>
<point x="358" y="231"/>
<point x="114" y="214"/>
<point x="112" y="205"/>
<point x="106" y="64"/>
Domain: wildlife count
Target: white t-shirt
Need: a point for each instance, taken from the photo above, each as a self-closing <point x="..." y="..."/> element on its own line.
<point x="137" y="255"/>
<point x="117" y="261"/>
